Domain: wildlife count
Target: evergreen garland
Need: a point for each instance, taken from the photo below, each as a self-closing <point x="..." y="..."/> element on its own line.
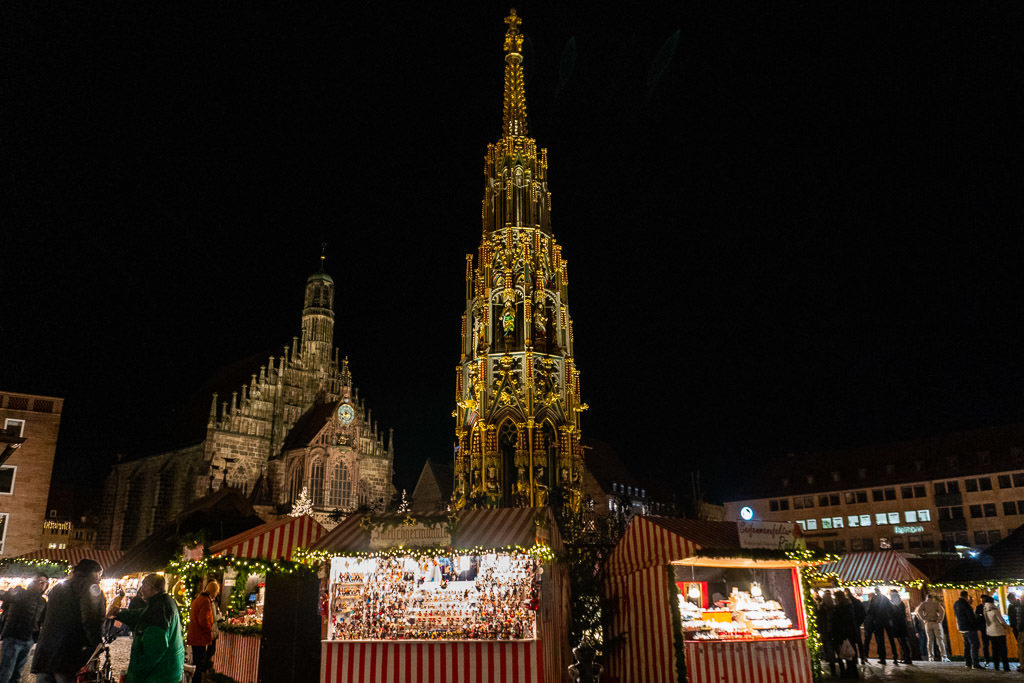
<point x="677" y="624"/>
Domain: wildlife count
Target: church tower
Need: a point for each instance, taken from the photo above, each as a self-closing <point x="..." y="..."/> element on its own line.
<point x="318" y="320"/>
<point x="517" y="388"/>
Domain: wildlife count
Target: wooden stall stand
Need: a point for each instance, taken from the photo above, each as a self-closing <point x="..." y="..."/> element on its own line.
<point x="862" y="571"/>
<point x="535" y="660"/>
<point x="237" y="655"/>
<point x="997" y="571"/>
<point x="640" y="574"/>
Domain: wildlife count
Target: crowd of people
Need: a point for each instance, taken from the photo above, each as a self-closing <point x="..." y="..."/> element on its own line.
<point x="847" y="624"/>
<point x="69" y="623"/>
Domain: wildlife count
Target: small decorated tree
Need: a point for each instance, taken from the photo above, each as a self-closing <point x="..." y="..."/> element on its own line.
<point x="302" y="506"/>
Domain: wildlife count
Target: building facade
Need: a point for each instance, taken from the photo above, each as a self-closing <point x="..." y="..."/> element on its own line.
<point x="25" y="475"/>
<point x="298" y="422"/>
<point x="960" y="491"/>
<point x="517" y="388"/>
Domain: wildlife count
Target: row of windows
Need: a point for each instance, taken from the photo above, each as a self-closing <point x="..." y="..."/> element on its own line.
<point x="980" y="537"/>
<point x="889" y="493"/>
<point x="973" y="484"/>
<point x="911" y="542"/>
<point x="880" y="519"/>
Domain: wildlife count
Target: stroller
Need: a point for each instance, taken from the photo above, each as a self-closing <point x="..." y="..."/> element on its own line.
<point x="96" y="671"/>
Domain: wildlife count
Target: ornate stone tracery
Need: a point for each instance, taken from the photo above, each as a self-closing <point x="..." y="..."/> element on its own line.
<point x="517" y="391"/>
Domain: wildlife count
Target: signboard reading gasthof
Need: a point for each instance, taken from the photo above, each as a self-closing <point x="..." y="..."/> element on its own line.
<point x="775" y="535"/>
<point x="410" y="535"/>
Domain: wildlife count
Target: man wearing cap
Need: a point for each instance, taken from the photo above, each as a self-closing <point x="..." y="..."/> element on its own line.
<point x="72" y="626"/>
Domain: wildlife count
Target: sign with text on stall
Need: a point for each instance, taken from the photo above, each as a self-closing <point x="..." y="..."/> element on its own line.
<point x="774" y="535"/>
<point x="417" y="535"/>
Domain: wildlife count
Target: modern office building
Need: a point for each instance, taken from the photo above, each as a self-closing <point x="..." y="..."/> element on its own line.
<point x="964" y="490"/>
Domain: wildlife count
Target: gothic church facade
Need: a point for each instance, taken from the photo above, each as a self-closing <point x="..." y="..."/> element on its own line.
<point x="298" y="423"/>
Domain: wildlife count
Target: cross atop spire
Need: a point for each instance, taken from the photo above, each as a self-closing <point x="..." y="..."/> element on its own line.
<point x="514" y="114"/>
<point x="323" y="255"/>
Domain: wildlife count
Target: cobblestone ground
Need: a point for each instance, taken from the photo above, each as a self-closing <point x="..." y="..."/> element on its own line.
<point x="933" y="672"/>
<point x="120" y="650"/>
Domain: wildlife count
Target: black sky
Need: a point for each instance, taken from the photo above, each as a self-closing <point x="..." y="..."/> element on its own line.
<point x="790" y="226"/>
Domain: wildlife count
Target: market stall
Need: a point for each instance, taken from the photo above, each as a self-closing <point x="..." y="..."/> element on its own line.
<point x="862" y="572"/>
<point x="708" y="601"/>
<point x="57" y="562"/>
<point x="244" y="560"/>
<point x="446" y="598"/>
<point x="997" y="571"/>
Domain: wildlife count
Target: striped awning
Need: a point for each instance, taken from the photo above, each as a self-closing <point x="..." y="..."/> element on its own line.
<point x="661" y="540"/>
<point x="272" y="541"/>
<point x="71" y="556"/>
<point x="488" y="528"/>
<point x="882" y="566"/>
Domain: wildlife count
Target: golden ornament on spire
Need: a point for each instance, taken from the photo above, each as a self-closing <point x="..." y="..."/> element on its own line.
<point x="514" y="115"/>
<point x="513" y="38"/>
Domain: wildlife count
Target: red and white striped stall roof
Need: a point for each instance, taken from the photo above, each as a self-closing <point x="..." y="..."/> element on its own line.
<point x="489" y="528"/>
<point x="660" y="540"/>
<point x="880" y="566"/>
<point x="106" y="558"/>
<point x="272" y="541"/>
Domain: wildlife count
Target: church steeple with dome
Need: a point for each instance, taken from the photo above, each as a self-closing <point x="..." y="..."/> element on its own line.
<point x="517" y="388"/>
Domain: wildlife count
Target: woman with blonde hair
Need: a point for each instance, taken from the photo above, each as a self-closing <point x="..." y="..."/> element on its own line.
<point x="202" y="628"/>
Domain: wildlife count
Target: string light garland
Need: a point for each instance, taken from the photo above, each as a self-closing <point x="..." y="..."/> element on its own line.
<point x="539" y="551"/>
<point x="34" y="564"/>
<point x="978" y="585"/>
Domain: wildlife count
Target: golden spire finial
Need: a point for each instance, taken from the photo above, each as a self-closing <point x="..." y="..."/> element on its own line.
<point x="514" y="118"/>
<point x="513" y="38"/>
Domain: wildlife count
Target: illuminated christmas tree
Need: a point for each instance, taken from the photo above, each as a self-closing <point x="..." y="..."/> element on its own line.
<point x="303" y="505"/>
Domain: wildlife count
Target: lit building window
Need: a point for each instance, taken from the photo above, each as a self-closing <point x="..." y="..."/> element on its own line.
<point x="881" y="518"/>
<point x="924" y="515"/>
<point x="910" y="516"/>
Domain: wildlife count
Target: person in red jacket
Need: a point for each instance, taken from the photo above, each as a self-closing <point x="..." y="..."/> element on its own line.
<point x="202" y="625"/>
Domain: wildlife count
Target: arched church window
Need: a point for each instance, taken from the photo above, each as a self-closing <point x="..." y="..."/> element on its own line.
<point x="551" y="448"/>
<point x="316" y="483"/>
<point x="341" y="487"/>
<point x="508" y="434"/>
<point x="295" y="485"/>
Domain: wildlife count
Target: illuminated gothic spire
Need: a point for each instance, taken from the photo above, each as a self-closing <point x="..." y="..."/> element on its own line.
<point x="514" y="116"/>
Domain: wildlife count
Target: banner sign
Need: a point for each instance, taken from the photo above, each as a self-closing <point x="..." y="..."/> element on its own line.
<point x="775" y="535"/>
<point x="409" y="535"/>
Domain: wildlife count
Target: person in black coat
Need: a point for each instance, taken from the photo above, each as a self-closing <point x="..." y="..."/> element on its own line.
<point x="898" y="619"/>
<point x="979" y="620"/>
<point x="877" y="622"/>
<point x="967" y="624"/>
<point x="72" y="626"/>
<point x="859" y="612"/>
<point x="843" y="632"/>
<point x="24" y="609"/>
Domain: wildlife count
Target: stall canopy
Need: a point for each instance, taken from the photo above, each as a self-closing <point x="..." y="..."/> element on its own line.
<point x="1001" y="563"/>
<point x="657" y="541"/>
<point x="637" y="578"/>
<point x="71" y="556"/>
<point x="218" y="515"/>
<point x="272" y="541"/>
<point x="491" y="528"/>
<point x="873" y="567"/>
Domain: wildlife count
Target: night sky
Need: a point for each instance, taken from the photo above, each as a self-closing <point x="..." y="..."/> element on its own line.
<point x="790" y="226"/>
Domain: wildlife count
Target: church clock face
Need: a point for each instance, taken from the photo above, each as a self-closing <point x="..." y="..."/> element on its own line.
<point x="346" y="414"/>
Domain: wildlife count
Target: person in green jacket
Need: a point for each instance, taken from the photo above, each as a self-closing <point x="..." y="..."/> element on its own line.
<point x="158" y="649"/>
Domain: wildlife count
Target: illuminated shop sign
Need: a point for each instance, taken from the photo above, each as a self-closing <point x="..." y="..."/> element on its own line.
<point x="912" y="529"/>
